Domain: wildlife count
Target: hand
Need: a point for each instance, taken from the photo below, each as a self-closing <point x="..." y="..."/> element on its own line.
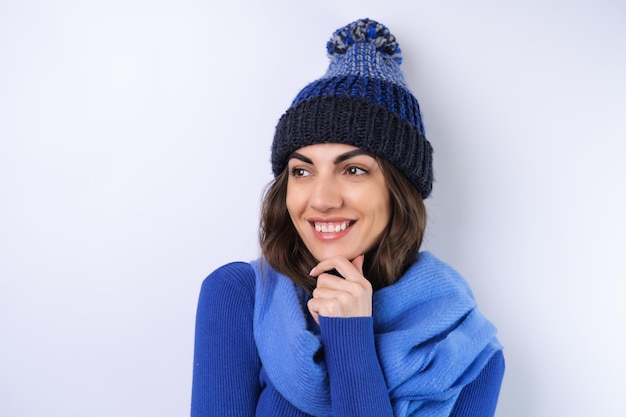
<point x="350" y="296"/>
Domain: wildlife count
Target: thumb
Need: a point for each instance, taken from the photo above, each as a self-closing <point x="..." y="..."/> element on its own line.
<point x="358" y="263"/>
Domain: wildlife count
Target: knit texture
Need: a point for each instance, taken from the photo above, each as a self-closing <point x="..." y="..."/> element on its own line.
<point x="430" y="339"/>
<point x="230" y="380"/>
<point x="362" y="100"/>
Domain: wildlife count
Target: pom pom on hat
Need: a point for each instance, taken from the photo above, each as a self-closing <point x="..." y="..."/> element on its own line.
<point x="362" y="100"/>
<point x="364" y="30"/>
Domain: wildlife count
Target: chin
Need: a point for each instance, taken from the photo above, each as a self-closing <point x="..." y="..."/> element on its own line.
<point x="320" y="255"/>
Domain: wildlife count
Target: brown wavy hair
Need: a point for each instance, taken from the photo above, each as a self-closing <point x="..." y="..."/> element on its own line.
<point x="384" y="264"/>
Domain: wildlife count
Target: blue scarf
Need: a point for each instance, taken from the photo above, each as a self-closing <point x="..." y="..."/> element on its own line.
<point x="430" y="339"/>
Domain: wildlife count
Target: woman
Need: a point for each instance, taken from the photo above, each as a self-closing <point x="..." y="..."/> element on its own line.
<point x="342" y="315"/>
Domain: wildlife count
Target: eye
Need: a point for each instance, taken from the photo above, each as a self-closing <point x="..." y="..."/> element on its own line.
<point x="354" y="170"/>
<point x="298" y="172"/>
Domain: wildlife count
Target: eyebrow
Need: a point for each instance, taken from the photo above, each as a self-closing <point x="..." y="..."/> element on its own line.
<point x="339" y="159"/>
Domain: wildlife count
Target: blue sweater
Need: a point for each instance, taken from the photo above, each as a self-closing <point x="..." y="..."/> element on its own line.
<point x="228" y="379"/>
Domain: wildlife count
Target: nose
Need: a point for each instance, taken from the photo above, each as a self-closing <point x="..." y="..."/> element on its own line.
<point x="325" y="194"/>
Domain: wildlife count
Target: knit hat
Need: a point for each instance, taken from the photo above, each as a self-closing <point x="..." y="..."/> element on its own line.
<point x="362" y="100"/>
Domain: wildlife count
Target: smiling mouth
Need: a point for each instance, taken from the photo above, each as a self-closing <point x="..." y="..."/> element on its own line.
<point x="334" y="227"/>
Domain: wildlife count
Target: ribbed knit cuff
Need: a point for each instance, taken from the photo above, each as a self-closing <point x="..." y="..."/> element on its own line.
<point x="348" y="337"/>
<point x="357" y="384"/>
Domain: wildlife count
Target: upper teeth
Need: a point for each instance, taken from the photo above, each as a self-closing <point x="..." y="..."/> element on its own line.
<point x="331" y="227"/>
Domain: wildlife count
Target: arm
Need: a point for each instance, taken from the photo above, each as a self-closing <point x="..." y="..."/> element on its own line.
<point x="357" y="385"/>
<point x="480" y="397"/>
<point x="343" y="309"/>
<point x="226" y="365"/>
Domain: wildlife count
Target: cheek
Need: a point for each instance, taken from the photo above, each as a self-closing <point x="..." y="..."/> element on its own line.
<point x="289" y="198"/>
<point x="386" y="205"/>
<point x="293" y="201"/>
<point x="382" y="213"/>
<point x="376" y="202"/>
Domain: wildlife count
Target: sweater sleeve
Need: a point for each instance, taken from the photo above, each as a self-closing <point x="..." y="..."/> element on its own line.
<point x="357" y="384"/>
<point x="480" y="397"/>
<point x="226" y="365"/>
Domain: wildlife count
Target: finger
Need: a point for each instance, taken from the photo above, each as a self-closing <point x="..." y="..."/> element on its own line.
<point x="339" y="263"/>
<point x="341" y="306"/>
<point x="330" y="287"/>
<point x="326" y="280"/>
<point x="328" y="302"/>
<point x="358" y="263"/>
<point x="351" y="271"/>
<point x="313" y="309"/>
<point x="330" y="293"/>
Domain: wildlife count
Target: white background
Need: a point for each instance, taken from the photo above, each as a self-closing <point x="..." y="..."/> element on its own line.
<point x="134" y="146"/>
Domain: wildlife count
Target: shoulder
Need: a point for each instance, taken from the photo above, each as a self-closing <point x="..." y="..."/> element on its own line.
<point x="426" y="261"/>
<point x="439" y="273"/>
<point x="234" y="277"/>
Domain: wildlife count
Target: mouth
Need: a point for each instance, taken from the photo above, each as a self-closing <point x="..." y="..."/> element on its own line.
<point x="332" y="227"/>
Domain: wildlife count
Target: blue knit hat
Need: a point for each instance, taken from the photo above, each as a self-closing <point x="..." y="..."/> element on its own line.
<point x="362" y="100"/>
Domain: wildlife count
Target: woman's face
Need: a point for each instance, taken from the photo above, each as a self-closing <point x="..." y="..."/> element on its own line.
<point x="337" y="199"/>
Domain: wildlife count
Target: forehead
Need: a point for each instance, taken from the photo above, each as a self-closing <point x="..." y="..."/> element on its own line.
<point x="326" y="149"/>
<point x="341" y="147"/>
